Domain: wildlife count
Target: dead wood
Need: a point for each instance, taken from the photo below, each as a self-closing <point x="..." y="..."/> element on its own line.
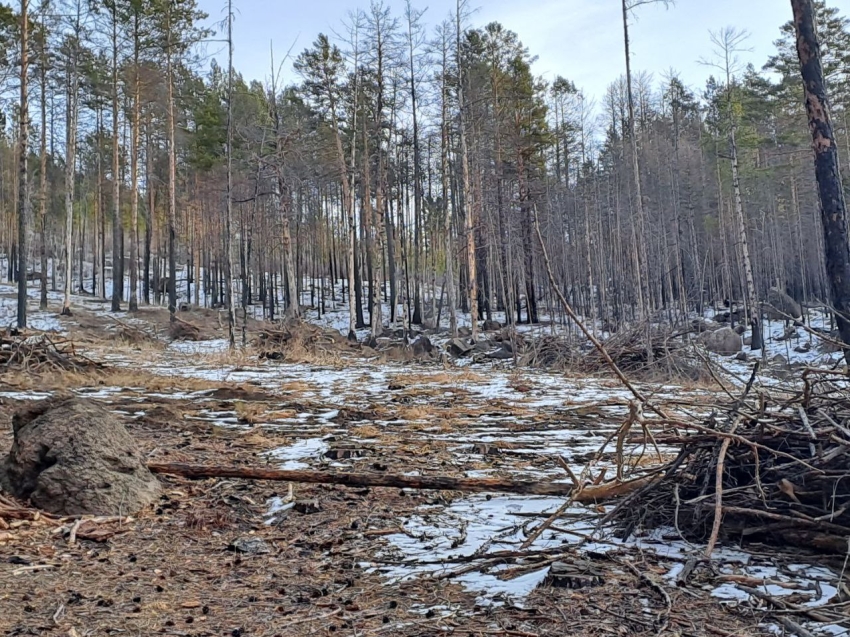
<point x="41" y="352"/>
<point x="763" y="468"/>
<point x="588" y="494"/>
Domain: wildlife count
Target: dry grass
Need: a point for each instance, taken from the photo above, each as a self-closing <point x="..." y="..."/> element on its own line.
<point x="113" y="377"/>
<point x="250" y="413"/>
<point x="366" y="431"/>
<point x="415" y="412"/>
<point x="297" y="387"/>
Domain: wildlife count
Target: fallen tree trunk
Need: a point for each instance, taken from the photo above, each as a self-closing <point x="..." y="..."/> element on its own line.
<point x="588" y="494"/>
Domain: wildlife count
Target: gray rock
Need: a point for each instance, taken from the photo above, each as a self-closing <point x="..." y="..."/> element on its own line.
<point x="779" y="306"/>
<point x="740" y="329"/>
<point x="724" y="341"/>
<point x="742" y="356"/>
<point x="71" y="456"/>
<point x="502" y="354"/>
<point x="250" y="545"/>
<point x="458" y="347"/>
<point x="491" y="326"/>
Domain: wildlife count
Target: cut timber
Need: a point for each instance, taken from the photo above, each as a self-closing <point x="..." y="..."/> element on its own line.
<point x="443" y="483"/>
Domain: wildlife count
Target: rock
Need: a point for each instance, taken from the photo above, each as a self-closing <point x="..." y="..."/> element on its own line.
<point x="482" y="347"/>
<point x="250" y="545"/>
<point x="485" y="449"/>
<point x="72" y="457"/>
<point x="458" y="347"/>
<point x="779" y="360"/>
<point x="740" y="329"/>
<point x="463" y="330"/>
<point x="491" y="326"/>
<point x="344" y="453"/>
<point x="307" y="507"/>
<point x="779" y="306"/>
<point x="804" y="348"/>
<point x="502" y="354"/>
<point x="724" y="341"/>
<point x="789" y="332"/>
<point x="398" y="354"/>
<point x="748" y="340"/>
<point x="742" y="356"/>
<point x="700" y="325"/>
<point x="576" y="574"/>
<point x="422" y="346"/>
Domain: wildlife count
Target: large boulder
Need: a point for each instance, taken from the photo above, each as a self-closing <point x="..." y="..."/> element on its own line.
<point x="724" y="341"/>
<point x="779" y="306"/>
<point x="71" y="456"/>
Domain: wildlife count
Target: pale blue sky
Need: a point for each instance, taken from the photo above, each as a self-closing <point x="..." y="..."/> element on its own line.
<point x="579" y="39"/>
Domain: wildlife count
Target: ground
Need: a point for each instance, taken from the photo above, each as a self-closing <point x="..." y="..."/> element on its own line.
<point x="341" y="561"/>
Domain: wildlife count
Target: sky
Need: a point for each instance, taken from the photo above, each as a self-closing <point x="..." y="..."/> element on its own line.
<point x="578" y="39"/>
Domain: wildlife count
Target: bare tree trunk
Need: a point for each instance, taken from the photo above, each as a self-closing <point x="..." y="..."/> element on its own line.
<point x="72" y="108"/>
<point x="42" y="304"/>
<point x="469" y="221"/>
<point x="228" y="219"/>
<point x="117" y="254"/>
<point x="832" y="204"/>
<point x="134" y="170"/>
<point x="23" y="181"/>
<point x="172" y="176"/>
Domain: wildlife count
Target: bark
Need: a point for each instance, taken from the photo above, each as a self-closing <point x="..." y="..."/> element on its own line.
<point x="588" y="494"/>
<point x="134" y="171"/>
<point x="228" y="219"/>
<point x="833" y="207"/>
<point x="117" y="253"/>
<point x="72" y="107"/>
<point x="172" y="177"/>
<point x="42" y="304"/>
<point x="23" y="180"/>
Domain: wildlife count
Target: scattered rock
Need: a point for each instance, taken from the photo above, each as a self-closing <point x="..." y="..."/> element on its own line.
<point x="458" y="347"/>
<point x="780" y="306"/>
<point x="463" y="330"/>
<point x="344" y="453"/>
<point x="724" y="341"/>
<point x="803" y="348"/>
<point x="70" y="456"/>
<point x="748" y="340"/>
<point x="789" y="332"/>
<point x="502" y="354"/>
<point x="250" y="545"/>
<point x="422" y="346"/>
<point x="577" y="574"/>
<point x="740" y="329"/>
<point x="307" y="507"/>
<point x="742" y="356"/>
<point x="491" y="326"/>
<point x="779" y="361"/>
<point x="485" y="449"/>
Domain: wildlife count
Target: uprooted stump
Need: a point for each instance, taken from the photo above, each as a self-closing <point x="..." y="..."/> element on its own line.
<point x="72" y="457"/>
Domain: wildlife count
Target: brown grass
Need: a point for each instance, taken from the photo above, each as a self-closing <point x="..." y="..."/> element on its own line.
<point x="297" y="386"/>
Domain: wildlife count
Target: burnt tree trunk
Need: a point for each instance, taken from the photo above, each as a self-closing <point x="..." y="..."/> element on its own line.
<point x="832" y="204"/>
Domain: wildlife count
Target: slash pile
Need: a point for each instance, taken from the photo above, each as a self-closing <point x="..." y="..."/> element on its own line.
<point x="784" y="468"/>
<point x="41" y="352"/>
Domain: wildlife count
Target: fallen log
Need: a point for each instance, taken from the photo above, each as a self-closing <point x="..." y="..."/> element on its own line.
<point x="586" y="495"/>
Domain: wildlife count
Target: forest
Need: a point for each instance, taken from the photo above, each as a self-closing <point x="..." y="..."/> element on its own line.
<point x="406" y="338"/>
<point x="410" y="162"/>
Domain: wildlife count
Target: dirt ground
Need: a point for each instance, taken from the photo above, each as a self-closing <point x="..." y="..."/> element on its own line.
<point x="328" y="566"/>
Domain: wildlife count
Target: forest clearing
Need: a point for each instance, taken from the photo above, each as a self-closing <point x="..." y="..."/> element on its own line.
<point x="408" y="339"/>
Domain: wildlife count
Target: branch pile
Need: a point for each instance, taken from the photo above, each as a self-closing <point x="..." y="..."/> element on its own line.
<point x="294" y="337"/>
<point x="783" y="468"/>
<point x="41" y="352"/>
